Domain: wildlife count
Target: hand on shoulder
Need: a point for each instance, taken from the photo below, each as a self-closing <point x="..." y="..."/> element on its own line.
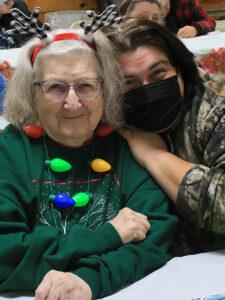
<point x="143" y="144"/>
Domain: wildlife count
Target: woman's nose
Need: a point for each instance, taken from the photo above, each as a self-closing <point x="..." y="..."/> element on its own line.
<point x="72" y="101"/>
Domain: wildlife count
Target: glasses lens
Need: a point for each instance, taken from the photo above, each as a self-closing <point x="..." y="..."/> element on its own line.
<point x="55" y="91"/>
<point x="9" y="2"/>
<point x="88" y="89"/>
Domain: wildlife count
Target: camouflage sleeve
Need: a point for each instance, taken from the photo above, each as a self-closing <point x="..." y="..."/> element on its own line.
<point x="201" y="196"/>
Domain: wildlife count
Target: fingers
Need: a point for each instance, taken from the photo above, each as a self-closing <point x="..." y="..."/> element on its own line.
<point x="143" y="226"/>
<point x="44" y="288"/>
<point x="140" y="234"/>
<point x="58" y="285"/>
<point x="143" y="221"/>
<point x="131" y="225"/>
<point x="187" y="32"/>
<point x="180" y="32"/>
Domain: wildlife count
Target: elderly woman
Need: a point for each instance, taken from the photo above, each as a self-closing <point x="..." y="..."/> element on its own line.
<point x="145" y="9"/>
<point x="74" y="205"/>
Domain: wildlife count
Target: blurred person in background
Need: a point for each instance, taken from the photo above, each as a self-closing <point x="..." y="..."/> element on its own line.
<point x="186" y="18"/>
<point x="5" y="23"/>
<point x="147" y="9"/>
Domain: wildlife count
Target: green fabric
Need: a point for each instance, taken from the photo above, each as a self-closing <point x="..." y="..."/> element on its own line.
<point x="36" y="236"/>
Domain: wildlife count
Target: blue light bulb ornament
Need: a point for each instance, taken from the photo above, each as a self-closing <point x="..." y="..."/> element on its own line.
<point x="62" y="200"/>
<point x="58" y="165"/>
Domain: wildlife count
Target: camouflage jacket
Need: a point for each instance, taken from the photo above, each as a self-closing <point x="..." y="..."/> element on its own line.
<point x="201" y="197"/>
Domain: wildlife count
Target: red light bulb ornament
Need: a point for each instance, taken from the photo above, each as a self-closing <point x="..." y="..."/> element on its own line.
<point x="34" y="131"/>
<point x="58" y="165"/>
<point x="103" y="130"/>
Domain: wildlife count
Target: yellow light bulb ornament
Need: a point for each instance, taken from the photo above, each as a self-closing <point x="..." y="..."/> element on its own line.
<point x="100" y="165"/>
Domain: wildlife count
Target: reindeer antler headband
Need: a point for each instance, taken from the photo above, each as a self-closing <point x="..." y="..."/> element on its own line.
<point x="108" y="17"/>
<point x="25" y="24"/>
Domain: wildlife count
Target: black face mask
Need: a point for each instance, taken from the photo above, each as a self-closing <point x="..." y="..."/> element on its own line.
<point x="154" y="106"/>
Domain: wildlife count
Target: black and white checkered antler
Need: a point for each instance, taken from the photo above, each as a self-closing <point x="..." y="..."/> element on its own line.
<point x="27" y="25"/>
<point x="108" y="17"/>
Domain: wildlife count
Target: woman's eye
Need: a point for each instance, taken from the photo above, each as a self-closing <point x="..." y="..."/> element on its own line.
<point x="160" y="73"/>
<point x="56" y="88"/>
<point x="85" y="87"/>
<point x="131" y="84"/>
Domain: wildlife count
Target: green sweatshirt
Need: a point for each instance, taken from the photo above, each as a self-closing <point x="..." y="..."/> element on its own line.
<point x="36" y="236"/>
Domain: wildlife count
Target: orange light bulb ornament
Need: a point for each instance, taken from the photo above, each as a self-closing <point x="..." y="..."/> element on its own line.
<point x="100" y="165"/>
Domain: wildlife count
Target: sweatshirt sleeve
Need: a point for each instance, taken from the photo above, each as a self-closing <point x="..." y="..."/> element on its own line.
<point x="110" y="271"/>
<point x="201" y="196"/>
<point x="200" y="20"/>
<point x="28" y="250"/>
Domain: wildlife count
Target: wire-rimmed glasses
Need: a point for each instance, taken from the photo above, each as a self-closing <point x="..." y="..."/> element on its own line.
<point x="85" y="89"/>
<point x="8" y="2"/>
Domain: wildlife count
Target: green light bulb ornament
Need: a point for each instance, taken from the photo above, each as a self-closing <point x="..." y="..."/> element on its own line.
<point x="58" y="165"/>
<point x="82" y="199"/>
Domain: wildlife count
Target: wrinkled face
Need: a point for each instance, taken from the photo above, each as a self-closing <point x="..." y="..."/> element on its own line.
<point x="70" y="121"/>
<point x="146" y="10"/>
<point x="145" y="65"/>
<point x="6" y="7"/>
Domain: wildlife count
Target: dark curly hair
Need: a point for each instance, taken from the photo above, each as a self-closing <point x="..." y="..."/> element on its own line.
<point x="134" y="33"/>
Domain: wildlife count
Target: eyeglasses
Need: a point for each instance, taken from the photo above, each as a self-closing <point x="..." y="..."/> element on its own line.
<point x="8" y="2"/>
<point x="85" y="89"/>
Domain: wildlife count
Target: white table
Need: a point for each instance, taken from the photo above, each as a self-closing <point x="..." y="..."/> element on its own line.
<point x="182" y="278"/>
<point x="205" y="43"/>
<point x="11" y="55"/>
<point x="3" y="122"/>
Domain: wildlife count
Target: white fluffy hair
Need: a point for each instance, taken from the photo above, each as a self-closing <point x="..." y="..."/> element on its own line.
<point x="19" y="108"/>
